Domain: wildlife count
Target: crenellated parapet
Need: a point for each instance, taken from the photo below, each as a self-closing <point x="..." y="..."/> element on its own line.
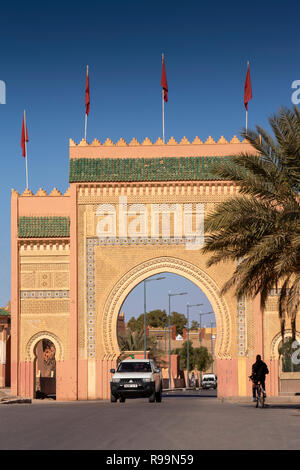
<point x="41" y="193"/>
<point x="134" y="142"/>
<point x="158" y="149"/>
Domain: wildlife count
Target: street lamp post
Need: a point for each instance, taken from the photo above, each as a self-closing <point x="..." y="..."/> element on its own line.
<point x="145" y="310"/>
<point x="188" y="306"/>
<point x="201" y="314"/>
<point x="169" y="318"/>
<point x="211" y="345"/>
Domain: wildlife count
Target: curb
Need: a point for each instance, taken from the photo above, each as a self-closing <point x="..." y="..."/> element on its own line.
<point x="12" y="401"/>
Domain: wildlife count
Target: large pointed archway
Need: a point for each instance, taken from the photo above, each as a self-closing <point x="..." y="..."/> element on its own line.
<point x="152" y="267"/>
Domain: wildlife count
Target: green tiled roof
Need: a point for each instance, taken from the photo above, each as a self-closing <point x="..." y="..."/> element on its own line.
<point x="143" y="169"/>
<point x="4" y="312"/>
<point x="44" y="227"/>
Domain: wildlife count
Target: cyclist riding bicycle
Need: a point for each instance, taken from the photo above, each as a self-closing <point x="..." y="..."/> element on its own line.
<point x="259" y="372"/>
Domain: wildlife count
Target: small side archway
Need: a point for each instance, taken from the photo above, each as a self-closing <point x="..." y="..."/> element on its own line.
<point x="288" y="376"/>
<point x="43" y="350"/>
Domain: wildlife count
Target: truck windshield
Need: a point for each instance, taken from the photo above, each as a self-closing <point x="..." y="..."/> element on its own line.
<point x="134" y="367"/>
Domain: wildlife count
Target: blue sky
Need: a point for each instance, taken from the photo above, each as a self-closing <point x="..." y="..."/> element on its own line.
<point x="157" y="298"/>
<point x="45" y="48"/>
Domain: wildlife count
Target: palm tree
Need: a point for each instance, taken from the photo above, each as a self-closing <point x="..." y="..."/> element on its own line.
<point x="260" y="228"/>
<point x="134" y="341"/>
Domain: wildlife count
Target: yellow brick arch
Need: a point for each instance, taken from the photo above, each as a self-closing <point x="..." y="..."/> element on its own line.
<point x="152" y="267"/>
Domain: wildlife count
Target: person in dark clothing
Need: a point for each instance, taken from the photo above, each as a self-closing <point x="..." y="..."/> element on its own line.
<point x="259" y="372"/>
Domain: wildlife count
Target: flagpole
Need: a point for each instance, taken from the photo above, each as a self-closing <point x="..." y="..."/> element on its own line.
<point x="247" y="104"/>
<point x="25" y="133"/>
<point x="163" y="115"/>
<point x="85" y="127"/>
<point x="163" y="107"/>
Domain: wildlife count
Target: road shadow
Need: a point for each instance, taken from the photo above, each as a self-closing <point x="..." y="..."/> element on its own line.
<point x="179" y="395"/>
<point x="275" y="406"/>
<point x="286" y="406"/>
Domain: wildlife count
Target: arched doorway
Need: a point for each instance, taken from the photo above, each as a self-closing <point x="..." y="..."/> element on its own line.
<point x="289" y="366"/>
<point x="45" y="369"/>
<point x="179" y="318"/>
<point x="285" y="367"/>
<point x="108" y="317"/>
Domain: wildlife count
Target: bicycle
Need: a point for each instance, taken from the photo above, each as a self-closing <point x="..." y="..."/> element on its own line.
<point x="260" y="394"/>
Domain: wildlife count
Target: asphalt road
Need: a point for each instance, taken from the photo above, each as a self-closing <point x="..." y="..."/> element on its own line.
<point x="182" y="421"/>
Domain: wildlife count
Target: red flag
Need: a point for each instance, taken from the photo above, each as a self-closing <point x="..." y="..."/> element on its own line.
<point x="24" y="137"/>
<point x="164" y="83"/>
<point x="87" y="92"/>
<point x="248" y="89"/>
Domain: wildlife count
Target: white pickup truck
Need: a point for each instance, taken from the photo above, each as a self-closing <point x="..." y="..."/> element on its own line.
<point x="135" y="378"/>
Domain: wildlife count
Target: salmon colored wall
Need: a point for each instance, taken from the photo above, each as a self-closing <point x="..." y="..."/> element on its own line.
<point x="227" y="378"/>
<point x="103" y="377"/>
<point x="8" y="362"/>
<point x="14" y="295"/>
<point x="44" y="206"/>
<point x="65" y="385"/>
<point x="151" y="151"/>
<point x="73" y="325"/>
<point x="26" y="384"/>
<point x="2" y="375"/>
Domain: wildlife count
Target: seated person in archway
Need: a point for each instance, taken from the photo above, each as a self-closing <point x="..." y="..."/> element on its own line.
<point x="259" y="372"/>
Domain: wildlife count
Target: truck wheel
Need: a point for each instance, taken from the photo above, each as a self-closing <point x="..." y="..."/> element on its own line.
<point x="113" y="399"/>
<point x="122" y="399"/>
<point x="158" y="396"/>
<point x="152" y="397"/>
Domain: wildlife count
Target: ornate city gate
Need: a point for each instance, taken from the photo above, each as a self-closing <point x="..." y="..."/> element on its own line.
<point x="131" y="211"/>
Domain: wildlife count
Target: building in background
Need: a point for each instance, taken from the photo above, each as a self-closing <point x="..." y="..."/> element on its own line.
<point x="208" y="340"/>
<point x="5" y="342"/>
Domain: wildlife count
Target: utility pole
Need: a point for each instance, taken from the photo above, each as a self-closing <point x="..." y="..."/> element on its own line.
<point x="212" y="349"/>
<point x="169" y="318"/>
<point x="201" y="314"/>
<point x="145" y="311"/>
<point x="188" y="306"/>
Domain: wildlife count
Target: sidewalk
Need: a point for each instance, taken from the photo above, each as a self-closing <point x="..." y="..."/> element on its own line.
<point x="6" y="398"/>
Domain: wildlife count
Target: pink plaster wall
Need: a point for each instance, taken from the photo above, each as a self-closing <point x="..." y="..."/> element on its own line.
<point x="227" y="378"/>
<point x="35" y="206"/>
<point x="73" y="319"/>
<point x="2" y="375"/>
<point x="103" y="377"/>
<point x="26" y="384"/>
<point x="66" y="386"/>
<point x="14" y="295"/>
<point x="150" y="151"/>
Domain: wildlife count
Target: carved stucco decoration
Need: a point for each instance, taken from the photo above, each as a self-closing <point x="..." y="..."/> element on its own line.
<point x="30" y="347"/>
